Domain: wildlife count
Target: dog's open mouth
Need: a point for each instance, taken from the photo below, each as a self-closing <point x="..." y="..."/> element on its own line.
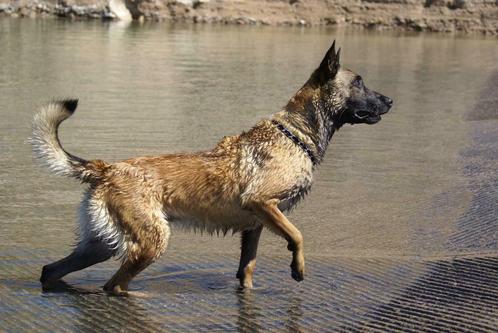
<point x="384" y="111"/>
<point x="367" y="117"/>
<point x="362" y="114"/>
<point x="373" y="119"/>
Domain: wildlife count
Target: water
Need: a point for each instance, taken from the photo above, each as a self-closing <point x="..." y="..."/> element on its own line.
<point x="401" y="222"/>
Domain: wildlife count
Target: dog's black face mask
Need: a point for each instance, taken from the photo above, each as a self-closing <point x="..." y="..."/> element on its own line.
<point x="364" y="106"/>
<point x="344" y="96"/>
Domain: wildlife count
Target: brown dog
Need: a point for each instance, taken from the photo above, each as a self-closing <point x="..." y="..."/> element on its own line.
<point x="243" y="184"/>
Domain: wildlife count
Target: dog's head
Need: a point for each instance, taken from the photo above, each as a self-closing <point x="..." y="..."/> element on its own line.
<point x="344" y="94"/>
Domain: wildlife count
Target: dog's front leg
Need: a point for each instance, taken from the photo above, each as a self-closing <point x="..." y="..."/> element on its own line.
<point x="249" y="248"/>
<point x="274" y="219"/>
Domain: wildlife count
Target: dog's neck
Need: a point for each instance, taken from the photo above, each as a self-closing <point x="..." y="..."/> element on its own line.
<point x="310" y="119"/>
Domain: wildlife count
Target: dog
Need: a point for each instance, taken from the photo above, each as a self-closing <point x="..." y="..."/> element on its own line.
<point x="244" y="184"/>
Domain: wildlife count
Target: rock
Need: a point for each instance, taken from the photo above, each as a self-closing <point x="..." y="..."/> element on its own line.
<point x="78" y="10"/>
<point x="459" y="4"/>
<point x="118" y="8"/>
<point x="108" y="14"/>
<point x="42" y="8"/>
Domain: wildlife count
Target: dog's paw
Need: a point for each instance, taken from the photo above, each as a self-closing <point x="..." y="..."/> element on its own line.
<point x="44" y="275"/>
<point x="46" y="278"/>
<point x="137" y="294"/>
<point x="297" y="272"/>
<point x="115" y="290"/>
<point x="297" y="266"/>
<point x="54" y="286"/>
<point x="246" y="284"/>
<point x="297" y="276"/>
<point x="245" y="280"/>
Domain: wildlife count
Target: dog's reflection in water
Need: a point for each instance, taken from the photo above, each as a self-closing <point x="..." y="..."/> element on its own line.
<point x="64" y="287"/>
<point x="294" y="314"/>
<point x="249" y="313"/>
<point x="92" y="309"/>
<point x="252" y="317"/>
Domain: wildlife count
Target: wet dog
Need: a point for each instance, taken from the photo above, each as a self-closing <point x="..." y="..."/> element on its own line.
<point x="243" y="184"/>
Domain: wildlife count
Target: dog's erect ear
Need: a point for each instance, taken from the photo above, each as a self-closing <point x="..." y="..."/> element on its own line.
<point x="330" y="64"/>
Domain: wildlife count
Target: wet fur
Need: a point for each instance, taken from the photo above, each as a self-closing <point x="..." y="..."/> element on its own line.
<point x="242" y="185"/>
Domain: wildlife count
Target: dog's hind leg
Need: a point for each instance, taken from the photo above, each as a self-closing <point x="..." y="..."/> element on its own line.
<point x="92" y="248"/>
<point x="148" y="242"/>
<point x="86" y="254"/>
<point x="249" y="248"/>
<point x="118" y="284"/>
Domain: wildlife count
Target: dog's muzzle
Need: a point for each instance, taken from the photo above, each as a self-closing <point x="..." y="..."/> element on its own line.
<point x="372" y="114"/>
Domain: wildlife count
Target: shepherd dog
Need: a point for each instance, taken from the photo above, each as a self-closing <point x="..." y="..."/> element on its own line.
<point x="244" y="184"/>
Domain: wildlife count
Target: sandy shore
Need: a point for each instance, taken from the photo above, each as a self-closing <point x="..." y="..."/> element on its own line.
<point x="467" y="16"/>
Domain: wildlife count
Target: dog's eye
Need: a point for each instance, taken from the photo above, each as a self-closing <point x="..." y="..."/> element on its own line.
<point x="358" y="82"/>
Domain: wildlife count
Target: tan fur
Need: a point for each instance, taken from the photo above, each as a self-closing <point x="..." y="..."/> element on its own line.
<point x="243" y="184"/>
<point x="219" y="190"/>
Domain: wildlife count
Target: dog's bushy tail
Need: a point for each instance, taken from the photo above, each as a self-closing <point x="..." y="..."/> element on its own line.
<point x="47" y="147"/>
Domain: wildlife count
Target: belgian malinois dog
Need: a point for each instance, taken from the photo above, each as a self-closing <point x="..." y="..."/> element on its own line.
<point x="243" y="184"/>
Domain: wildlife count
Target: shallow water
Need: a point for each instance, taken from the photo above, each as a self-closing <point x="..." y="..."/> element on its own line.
<point x="400" y="228"/>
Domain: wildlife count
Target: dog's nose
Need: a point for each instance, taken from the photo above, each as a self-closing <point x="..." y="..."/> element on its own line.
<point x="387" y="101"/>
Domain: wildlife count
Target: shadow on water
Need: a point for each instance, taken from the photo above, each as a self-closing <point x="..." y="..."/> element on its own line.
<point x="63" y="287"/>
<point x="454" y="296"/>
<point x="477" y="228"/>
<point x="487" y="104"/>
<point x="460" y="294"/>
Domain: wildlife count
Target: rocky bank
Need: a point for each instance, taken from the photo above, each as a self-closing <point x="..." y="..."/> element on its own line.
<point x="468" y="16"/>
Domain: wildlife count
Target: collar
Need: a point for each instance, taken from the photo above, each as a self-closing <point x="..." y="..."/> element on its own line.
<point x="296" y="140"/>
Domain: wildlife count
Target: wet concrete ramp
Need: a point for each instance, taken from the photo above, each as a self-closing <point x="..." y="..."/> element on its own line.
<point x="341" y="295"/>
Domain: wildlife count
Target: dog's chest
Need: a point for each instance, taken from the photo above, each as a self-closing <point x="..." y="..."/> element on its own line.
<point x="280" y="170"/>
<point x="301" y="187"/>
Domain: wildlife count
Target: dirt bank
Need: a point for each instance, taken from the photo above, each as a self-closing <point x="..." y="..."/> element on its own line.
<point x="468" y="16"/>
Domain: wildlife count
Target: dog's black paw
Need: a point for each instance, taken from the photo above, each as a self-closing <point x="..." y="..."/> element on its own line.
<point x="297" y="276"/>
<point x="44" y="278"/>
<point x="58" y="286"/>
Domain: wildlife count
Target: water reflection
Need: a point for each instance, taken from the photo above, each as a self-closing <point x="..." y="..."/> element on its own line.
<point x="63" y="287"/>
<point x="254" y="312"/>
<point x="91" y="308"/>
<point x="248" y="319"/>
<point x="294" y="314"/>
